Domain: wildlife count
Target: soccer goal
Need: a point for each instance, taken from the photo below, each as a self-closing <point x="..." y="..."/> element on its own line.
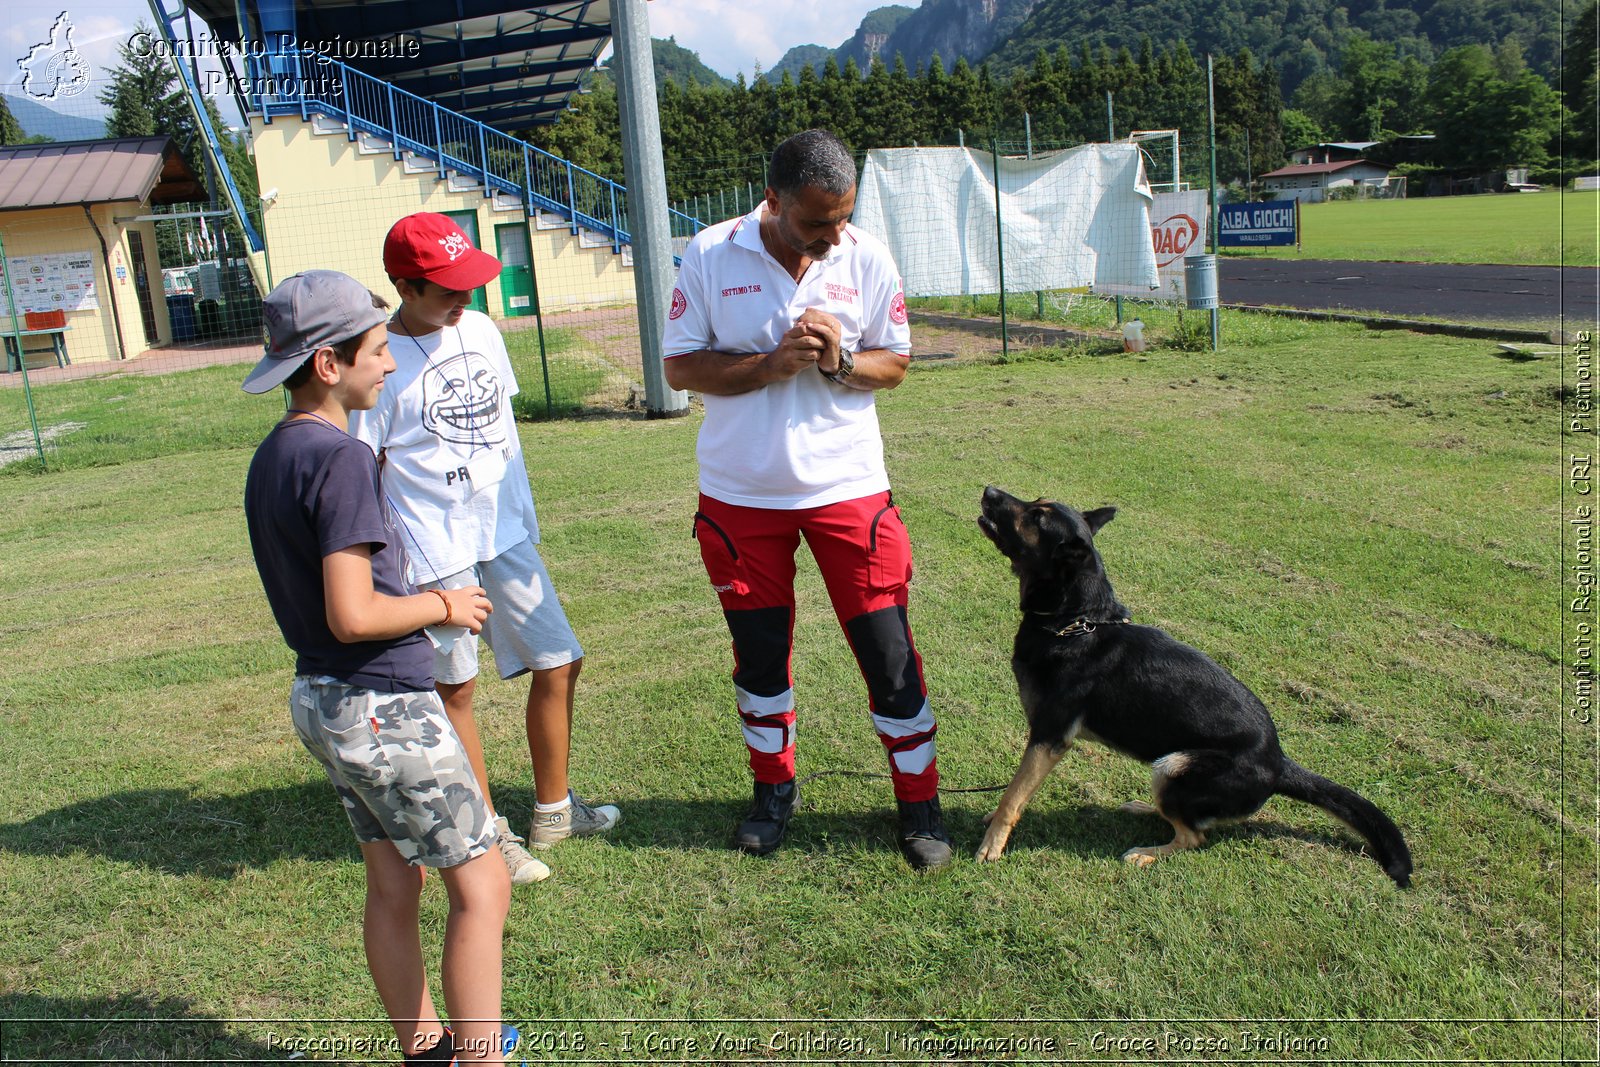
<point x="1161" y="152"/>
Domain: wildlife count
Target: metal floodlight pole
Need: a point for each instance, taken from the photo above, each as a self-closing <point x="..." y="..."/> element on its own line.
<point x="645" y="173"/>
<point x="1249" y="169"/>
<point x="1000" y="248"/>
<point x="1211" y="126"/>
<point x="1111" y="122"/>
<point x="1211" y="121"/>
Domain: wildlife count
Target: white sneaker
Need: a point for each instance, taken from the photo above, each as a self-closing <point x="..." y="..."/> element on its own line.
<point x="579" y="820"/>
<point x="523" y="867"/>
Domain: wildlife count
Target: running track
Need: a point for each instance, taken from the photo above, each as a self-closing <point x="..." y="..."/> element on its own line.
<point x="1447" y="291"/>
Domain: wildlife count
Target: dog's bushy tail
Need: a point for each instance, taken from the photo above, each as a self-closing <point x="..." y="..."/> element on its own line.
<point x="1356" y="812"/>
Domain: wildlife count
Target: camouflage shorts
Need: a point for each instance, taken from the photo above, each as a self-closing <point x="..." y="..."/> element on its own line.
<point x="399" y="768"/>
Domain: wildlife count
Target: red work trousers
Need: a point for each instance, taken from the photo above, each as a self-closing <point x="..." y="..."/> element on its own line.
<point x="864" y="553"/>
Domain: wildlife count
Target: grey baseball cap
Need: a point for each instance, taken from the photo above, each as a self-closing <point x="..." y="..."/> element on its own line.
<point x="311" y="310"/>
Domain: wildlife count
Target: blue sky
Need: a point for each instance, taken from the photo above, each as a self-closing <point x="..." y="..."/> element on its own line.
<point x="731" y="36"/>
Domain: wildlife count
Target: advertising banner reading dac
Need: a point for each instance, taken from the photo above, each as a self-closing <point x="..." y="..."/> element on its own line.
<point x="1178" y="227"/>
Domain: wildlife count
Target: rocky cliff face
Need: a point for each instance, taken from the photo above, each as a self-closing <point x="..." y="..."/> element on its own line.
<point x="870" y="37"/>
<point x="955" y="29"/>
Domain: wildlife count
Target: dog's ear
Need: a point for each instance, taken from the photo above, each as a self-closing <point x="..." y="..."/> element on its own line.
<point x="1098" y="518"/>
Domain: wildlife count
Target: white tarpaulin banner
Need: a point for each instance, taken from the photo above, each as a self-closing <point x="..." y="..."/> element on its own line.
<point x="1071" y="219"/>
<point x="1179" y="226"/>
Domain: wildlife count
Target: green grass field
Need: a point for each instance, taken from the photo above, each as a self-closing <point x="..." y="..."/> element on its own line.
<point x="1364" y="527"/>
<point x="575" y="375"/>
<point x="1548" y="229"/>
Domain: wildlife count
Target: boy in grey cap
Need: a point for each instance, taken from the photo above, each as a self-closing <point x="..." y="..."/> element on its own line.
<point x="363" y="699"/>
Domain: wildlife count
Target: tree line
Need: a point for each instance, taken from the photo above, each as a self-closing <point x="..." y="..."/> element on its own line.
<point x="1486" y="108"/>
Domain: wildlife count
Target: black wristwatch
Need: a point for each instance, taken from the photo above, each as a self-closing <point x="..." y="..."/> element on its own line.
<point x="847" y="367"/>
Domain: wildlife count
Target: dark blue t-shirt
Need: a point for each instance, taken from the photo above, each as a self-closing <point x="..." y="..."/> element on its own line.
<point x="313" y="490"/>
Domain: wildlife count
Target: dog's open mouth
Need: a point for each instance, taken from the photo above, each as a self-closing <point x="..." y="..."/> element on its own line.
<point x="996" y="518"/>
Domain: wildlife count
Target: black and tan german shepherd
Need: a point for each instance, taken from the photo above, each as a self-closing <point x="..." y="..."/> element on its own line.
<point x="1086" y="671"/>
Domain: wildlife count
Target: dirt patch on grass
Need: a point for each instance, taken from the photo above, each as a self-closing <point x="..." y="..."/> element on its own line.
<point x="612" y="334"/>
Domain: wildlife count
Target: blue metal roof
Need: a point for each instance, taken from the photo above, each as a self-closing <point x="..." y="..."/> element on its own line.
<point x="508" y="65"/>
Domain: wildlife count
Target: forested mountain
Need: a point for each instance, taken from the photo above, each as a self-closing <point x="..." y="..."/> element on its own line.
<point x="798" y="58"/>
<point x="1486" y="106"/>
<point x="675" y="63"/>
<point x="36" y="120"/>
<point x="1299" y="38"/>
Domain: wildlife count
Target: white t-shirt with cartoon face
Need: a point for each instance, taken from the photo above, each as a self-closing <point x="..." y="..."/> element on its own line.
<point x="452" y="460"/>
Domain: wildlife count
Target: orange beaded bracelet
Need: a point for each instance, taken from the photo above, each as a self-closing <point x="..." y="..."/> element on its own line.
<point x="448" y="612"/>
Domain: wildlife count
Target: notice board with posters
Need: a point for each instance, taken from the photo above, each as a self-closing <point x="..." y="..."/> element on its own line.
<point x="1269" y="222"/>
<point x="54" y="281"/>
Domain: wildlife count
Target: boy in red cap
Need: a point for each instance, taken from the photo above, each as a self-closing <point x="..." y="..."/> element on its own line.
<point x="452" y="464"/>
<point x="363" y="700"/>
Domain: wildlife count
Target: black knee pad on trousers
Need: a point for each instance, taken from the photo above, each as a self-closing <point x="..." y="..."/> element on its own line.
<point x="882" y="641"/>
<point x="761" y="645"/>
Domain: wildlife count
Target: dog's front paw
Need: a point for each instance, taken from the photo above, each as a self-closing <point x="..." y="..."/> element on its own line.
<point x="994" y="843"/>
<point x="1141" y="857"/>
<point x="1138" y="807"/>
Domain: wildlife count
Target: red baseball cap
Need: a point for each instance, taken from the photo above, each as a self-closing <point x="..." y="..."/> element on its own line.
<point x="428" y="245"/>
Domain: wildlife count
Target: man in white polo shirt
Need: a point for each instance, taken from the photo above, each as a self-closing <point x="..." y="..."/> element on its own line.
<point x="787" y="321"/>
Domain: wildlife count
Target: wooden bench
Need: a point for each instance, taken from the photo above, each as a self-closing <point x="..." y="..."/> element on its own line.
<point x="56" y="335"/>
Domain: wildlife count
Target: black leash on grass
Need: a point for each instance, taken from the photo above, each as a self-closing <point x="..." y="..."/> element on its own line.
<point x="879" y="774"/>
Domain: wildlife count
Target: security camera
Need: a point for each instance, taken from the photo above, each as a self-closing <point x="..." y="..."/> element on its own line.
<point x="270" y="195"/>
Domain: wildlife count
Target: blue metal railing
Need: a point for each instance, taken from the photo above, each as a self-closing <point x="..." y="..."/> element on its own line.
<point x="452" y="142"/>
<point x="213" y="146"/>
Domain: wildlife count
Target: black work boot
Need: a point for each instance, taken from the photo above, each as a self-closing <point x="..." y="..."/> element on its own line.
<point x="762" y="829"/>
<point x="923" y="840"/>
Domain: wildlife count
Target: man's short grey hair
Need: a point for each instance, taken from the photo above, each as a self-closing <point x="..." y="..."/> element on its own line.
<point x="815" y="159"/>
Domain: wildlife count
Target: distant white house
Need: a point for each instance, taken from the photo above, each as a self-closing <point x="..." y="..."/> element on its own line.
<point x="1312" y="182"/>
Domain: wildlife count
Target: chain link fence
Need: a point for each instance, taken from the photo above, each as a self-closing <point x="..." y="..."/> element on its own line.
<point x="108" y="298"/>
<point x="95" y="300"/>
<point x="959" y="320"/>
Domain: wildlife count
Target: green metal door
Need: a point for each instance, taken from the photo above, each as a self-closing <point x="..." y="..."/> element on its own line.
<point x="468" y="221"/>
<point x="516" y="276"/>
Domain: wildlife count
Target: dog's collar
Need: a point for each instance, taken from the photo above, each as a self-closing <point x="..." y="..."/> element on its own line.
<point x="1079" y="627"/>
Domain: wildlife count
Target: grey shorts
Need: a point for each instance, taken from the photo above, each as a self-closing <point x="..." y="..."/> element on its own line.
<point x="527" y="630"/>
<point x="398" y="767"/>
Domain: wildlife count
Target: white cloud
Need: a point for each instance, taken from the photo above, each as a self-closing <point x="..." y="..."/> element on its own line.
<point x="732" y="36"/>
